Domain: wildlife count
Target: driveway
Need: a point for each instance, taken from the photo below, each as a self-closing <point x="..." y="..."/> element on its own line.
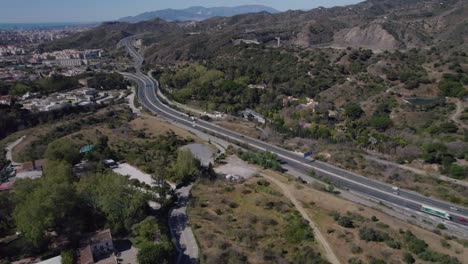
<point x="126" y="169"/>
<point x="9" y="149"/>
<point x="180" y="230"/>
<point x="202" y="152"/>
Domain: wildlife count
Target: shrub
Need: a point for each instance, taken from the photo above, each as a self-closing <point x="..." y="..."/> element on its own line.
<point x="298" y="230"/>
<point x="441" y="226"/>
<point x="393" y="244"/>
<point x="353" y="111"/>
<point x="408" y="258"/>
<point x="346" y="222"/>
<point x="370" y="234"/>
<point x="415" y="245"/>
<point x="355" y="249"/>
<point x="354" y="260"/>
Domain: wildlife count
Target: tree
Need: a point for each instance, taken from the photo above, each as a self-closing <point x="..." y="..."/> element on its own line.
<point x="186" y="167"/>
<point x="6" y="211"/>
<point x="144" y="232"/>
<point x="45" y="203"/>
<point x="353" y="111"/>
<point x="156" y="254"/>
<point x="112" y="196"/>
<point x="68" y="257"/>
<point x="63" y="150"/>
<point x="435" y="153"/>
<point x="381" y="122"/>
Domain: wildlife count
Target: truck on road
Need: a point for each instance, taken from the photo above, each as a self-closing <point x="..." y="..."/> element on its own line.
<point x="434" y="211"/>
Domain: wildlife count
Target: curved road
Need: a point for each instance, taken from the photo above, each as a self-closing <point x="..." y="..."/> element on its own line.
<point x="342" y="178"/>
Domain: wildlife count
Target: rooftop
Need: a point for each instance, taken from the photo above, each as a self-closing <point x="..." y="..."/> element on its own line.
<point x="101" y="236"/>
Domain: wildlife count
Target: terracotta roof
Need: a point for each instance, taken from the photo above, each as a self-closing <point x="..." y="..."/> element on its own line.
<point x="109" y="260"/>
<point x="86" y="256"/>
<point x="101" y="236"/>
<point x="30" y="166"/>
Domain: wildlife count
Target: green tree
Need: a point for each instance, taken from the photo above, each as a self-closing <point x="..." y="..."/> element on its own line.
<point x="144" y="232"/>
<point x="186" y="167"/>
<point x="353" y="111"/>
<point x="6" y="213"/>
<point x="113" y="196"/>
<point x="68" y="257"/>
<point x="45" y="203"/>
<point x="63" y="150"/>
<point x="436" y="153"/>
<point x="156" y="254"/>
<point x="381" y="122"/>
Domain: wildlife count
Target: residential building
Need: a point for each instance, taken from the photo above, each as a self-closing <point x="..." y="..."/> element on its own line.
<point x="6" y="100"/>
<point x="98" y="248"/>
<point x="250" y="114"/>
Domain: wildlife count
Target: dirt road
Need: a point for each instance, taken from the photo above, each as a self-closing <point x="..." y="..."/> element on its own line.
<point x="9" y="149"/>
<point x="329" y="254"/>
<point x="456" y="116"/>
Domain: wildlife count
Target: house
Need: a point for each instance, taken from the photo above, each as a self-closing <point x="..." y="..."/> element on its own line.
<point x="250" y="114"/>
<point x="261" y="86"/>
<point x="98" y="248"/>
<point x="56" y="260"/>
<point x="36" y="165"/>
<point x="110" y="163"/>
<point x="6" y="100"/>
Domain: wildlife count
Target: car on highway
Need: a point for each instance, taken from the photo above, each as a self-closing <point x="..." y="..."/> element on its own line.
<point x="453" y="208"/>
<point x="464" y="220"/>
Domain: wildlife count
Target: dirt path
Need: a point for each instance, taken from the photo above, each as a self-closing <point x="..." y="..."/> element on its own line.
<point x="456" y="116"/>
<point x="415" y="170"/>
<point x="9" y="149"/>
<point x="329" y="254"/>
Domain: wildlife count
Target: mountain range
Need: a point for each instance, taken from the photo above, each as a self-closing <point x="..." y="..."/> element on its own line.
<point x="197" y="13"/>
<point x="373" y="24"/>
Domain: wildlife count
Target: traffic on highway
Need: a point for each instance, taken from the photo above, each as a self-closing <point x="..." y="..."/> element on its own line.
<point x="147" y="94"/>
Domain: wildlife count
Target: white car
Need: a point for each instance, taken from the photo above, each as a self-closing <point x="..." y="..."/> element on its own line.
<point x="453" y="208"/>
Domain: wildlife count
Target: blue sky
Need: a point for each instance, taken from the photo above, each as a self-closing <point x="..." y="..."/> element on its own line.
<point x="26" y="11"/>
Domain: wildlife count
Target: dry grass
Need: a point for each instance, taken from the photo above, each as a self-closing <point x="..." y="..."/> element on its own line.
<point x="243" y="222"/>
<point x="320" y="205"/>
<point x="155" y="126"/>
<point x="242" y="127"/>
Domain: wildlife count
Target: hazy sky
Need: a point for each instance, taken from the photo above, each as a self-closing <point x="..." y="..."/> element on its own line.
<point x="25" y="11"/>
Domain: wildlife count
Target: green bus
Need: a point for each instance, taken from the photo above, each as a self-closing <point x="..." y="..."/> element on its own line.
<point x="435" y="211"/>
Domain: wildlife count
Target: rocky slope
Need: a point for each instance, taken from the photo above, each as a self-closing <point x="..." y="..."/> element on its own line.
<point x="374" y="24"/>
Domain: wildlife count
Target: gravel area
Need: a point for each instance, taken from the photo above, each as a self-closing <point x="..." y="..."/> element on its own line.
<point x="236" y="166"/>
<point x="126" y="169"/>
<point x="202" y="152"/>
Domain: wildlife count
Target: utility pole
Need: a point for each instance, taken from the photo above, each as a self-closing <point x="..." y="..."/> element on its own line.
<point x="279" y="41"/>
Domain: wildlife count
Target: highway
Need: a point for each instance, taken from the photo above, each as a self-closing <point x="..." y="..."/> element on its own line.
<point x="339" y="177"/>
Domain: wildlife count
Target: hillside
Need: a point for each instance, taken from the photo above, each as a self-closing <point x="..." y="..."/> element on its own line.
<point x="197" y="13"/>
<point x="373" y="24"/>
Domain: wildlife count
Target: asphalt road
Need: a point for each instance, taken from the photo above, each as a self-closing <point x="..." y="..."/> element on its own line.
<point x="339" y="177"/>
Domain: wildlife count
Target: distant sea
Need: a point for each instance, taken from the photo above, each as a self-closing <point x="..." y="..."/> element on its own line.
<point x="6" y="26"/>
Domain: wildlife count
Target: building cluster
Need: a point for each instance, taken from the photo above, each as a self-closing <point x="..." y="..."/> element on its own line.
<point x="67" y="58"/>
<point x="23" y="37"/>
<point x="16" y="74"/>
<point x="79" y="97"/>
<point x="11" y="50"/>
